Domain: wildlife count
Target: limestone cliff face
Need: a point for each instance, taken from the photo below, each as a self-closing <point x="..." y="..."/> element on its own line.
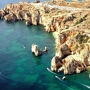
<point x="75" y="0"/>
<point x="32" y="14"/>
<point x="73" y="42"/>
<point x="71" y="28"/>
<point x="86" y="0"/>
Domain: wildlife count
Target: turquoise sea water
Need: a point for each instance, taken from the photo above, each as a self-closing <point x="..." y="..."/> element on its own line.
<point x="21" y="70"/>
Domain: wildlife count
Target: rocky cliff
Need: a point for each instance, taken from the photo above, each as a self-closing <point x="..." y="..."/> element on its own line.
<point x="70" y="24"/>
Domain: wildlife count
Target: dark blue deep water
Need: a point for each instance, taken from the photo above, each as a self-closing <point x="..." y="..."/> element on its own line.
<point x="20" y="69"/>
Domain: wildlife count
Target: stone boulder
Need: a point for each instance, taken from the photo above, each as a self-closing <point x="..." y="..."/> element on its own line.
<point x="35" y="49"/>
<point x="55" y="63"/>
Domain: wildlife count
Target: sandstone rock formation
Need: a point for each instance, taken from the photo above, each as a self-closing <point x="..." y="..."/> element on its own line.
<point x="35" y="49"/>
<point x="2" y="13"/>
<point x="71" y="28"/>
<point x="86" y="0"/>
<point x="10" y="17"/>
<point x="75" y="0"/>
<point x="70" y="65"/>
<point x="55" y="63"/>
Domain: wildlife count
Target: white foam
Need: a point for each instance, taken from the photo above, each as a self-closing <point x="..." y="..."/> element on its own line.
<point x="86" y="85"/>
<point x="58" y="78"/>
<point x="50" y="71"/>
<point x="62" y="83"/>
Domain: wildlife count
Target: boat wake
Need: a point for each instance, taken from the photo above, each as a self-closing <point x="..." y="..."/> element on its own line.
<point x="58" y="78"/>
<point x="85" y="85"/>
<point x="63" y="82"/>
<point x="50" y="71"/>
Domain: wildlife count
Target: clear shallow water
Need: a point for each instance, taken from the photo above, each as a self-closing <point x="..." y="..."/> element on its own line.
<point x="18" y="64"/>
<point x="21" y="70"/>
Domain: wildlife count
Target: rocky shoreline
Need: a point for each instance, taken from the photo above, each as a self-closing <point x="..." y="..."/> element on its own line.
<point x="70" y="27"/>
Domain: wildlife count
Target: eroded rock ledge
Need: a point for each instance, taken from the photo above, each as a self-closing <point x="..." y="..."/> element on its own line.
<point x="70" y="27"/>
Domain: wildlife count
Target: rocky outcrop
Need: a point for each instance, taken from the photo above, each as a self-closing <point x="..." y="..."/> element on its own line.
<point x="2" y="14"/>
<point x="10" y="17"/>
<point x="28" y="19"/>
<point x="37" y="1"/>
<point x="76" y="46"/>
<point x="22" y="11"/>
<point x="63" y="78"/>
<point x="35" y="17"/>
<point x="75" y="0"/>
<point x="70" y="65"/>
<point x="45" y="50"/>
<point x="55" y="63"/>
<point x="35" y="49"/>
<point x="64" y="51"/>
<point x="72" y="30"/>
<point x="73" y="42"/>
<point x="86" y="0"/>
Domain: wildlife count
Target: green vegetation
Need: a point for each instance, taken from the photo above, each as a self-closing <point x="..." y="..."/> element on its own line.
<point x="81" y="20"/>
<point x="82" y="38"/>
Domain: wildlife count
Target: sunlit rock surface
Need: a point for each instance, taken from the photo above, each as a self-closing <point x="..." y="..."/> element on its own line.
<point x="70" y="21"/>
